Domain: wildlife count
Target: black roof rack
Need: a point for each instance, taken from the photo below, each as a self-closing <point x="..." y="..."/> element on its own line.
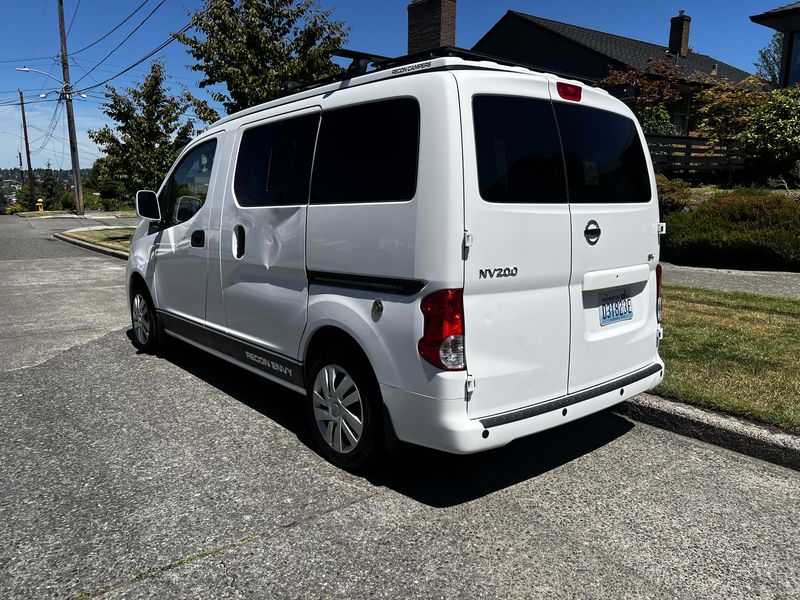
<point x="362" y="60"/>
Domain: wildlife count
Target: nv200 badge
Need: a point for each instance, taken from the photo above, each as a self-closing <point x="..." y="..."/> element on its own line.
<point x="497" y="273"/>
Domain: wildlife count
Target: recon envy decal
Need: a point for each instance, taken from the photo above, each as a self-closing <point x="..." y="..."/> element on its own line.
<point x="496" y="273"/>
<point x="270" y="364"/>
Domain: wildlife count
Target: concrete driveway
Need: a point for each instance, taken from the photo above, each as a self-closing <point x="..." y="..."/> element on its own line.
<point x="131" y="476"/>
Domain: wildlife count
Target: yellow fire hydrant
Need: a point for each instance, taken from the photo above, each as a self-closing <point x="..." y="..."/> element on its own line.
<point x="40" y="205"/>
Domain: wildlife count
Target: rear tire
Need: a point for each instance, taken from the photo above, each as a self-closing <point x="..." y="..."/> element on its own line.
<point x="344" y="411"/>
<point x="144" y="321"/>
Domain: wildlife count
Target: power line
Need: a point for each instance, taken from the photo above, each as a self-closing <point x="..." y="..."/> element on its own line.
<point x="72" y="20"/>
<point x="120" y="24"/>
<point x="125" y="39"/>
<point x="171" y="39"/>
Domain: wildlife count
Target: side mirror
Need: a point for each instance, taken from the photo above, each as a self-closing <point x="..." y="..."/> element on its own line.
<point x="147" y="205"/>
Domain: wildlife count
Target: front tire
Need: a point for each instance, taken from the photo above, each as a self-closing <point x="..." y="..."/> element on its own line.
<point x="344" y="411"/>
<point x="144" y="321"/>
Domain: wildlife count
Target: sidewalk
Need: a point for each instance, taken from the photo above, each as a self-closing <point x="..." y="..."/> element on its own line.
<point x="734" y="433"/>
<point x="769" y="283"/>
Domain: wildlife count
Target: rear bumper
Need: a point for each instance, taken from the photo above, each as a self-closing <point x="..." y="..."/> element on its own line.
<point x="445" y="425"/>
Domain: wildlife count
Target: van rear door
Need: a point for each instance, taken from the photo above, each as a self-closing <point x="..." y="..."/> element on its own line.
<point x="517" y="222"/>
<point x="614" y="240"/>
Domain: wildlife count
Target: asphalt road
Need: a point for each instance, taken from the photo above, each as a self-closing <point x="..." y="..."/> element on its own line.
<point x="132" y="476"/>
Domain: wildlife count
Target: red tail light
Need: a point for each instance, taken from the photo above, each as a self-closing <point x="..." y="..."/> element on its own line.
<point x="442" y="342"/>
<point x="658" y="293"/>
<point x="569" y="91"/>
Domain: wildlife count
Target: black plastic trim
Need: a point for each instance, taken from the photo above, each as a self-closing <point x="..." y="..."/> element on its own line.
<point x="403" y="287"/>
<point x="570" y="399"/>
<point x="269" y="362"/>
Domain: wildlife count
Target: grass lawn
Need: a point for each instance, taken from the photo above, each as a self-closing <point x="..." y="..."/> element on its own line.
<point x="115" y="238"/>
<point x="734" y="352"/>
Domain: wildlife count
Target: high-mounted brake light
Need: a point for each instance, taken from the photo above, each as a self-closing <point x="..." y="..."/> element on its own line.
<point x="658" y="293"/>
<point x="442" y="342"/>
<point x="569" y="91"/>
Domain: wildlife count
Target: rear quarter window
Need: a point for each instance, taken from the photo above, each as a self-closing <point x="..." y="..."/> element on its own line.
<point x="367" y="153"/>
<point x="603" y="154"/>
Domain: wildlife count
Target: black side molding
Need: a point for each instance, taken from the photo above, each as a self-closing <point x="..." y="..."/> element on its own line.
<point x="269" y="362"/>
<point x="568" y="400"/>
<point x="394" y="285"/>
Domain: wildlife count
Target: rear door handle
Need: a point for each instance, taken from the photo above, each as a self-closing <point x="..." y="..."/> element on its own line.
<point x="198" y="238"/>
<point x="238" y="241"/>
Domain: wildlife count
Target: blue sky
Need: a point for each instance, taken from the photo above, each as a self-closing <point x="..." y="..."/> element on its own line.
<point x="720" y="28"/>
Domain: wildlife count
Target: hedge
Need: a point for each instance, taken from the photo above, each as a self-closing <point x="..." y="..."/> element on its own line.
<point x="741" y="229"/>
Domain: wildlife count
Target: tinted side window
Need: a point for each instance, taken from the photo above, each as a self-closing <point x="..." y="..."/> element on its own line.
<point x="604" y="157"/>
<point x="367" y="153"/>
<point x="187" y="187"/>
<point x="518" y="151"/>
<point x="273" y="167"/>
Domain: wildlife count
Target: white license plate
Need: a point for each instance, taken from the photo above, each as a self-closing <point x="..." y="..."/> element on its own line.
<point x="615" y="306"/>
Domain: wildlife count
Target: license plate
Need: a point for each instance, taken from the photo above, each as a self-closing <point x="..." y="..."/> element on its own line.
<point x="615" y="306"/>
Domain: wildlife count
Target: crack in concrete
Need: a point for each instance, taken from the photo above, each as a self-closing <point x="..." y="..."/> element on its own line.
<point x="191" y="558"/>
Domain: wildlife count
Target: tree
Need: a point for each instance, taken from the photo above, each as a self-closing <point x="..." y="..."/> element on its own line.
<point x="254" y="47"/>
<point x="723" y="109"/>
<point x="657" y="90"/>
<point x="772" y="129"/>
<point x="53" y="192"/>
<point x="768" y="65"/>
<point x="146" y="138"/>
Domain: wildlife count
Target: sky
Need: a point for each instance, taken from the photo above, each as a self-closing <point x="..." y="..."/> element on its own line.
<point x="719" y="28"/>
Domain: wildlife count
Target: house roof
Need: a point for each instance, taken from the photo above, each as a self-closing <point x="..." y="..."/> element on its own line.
<point x="632" y="52"/>
<point x="782" y="18"/>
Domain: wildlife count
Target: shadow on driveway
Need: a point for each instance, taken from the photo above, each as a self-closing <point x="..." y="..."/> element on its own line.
<point x="428" y="476"/>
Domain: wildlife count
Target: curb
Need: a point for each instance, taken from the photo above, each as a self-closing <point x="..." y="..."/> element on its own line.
<point x="734" y="433"/>
<point x="90" y="246"/>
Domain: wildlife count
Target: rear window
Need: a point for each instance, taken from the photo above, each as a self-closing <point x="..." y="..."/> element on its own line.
<point x="603" y="154"/>
<point x="518" y="151"/>
<point x="367" y="153"/>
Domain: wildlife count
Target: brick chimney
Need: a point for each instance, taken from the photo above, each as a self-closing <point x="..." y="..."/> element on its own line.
<point x="431" y="23"/>
<point x="679" y="34"/>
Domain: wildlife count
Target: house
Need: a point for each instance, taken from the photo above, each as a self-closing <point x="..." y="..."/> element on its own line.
<point x="785" y="19"/>
<point x="590" y="55"/>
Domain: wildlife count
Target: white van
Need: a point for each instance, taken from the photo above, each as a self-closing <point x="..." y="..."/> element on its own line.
<point x="450" y="252"/>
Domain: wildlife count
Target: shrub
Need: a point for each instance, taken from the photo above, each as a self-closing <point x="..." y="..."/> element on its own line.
<point x="673" y="194"/>
<point x="744" y="228"/>
<point x="13" y="209"/>
<point x="114" y="204"/>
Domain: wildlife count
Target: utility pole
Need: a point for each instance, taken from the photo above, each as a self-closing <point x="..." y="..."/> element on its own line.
<point x="67" y="92"/>
<point x="27" y="147"/>
<point x="21" y="171"/>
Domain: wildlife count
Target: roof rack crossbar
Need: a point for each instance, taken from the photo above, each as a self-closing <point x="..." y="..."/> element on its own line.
<point x="362" y="61"/>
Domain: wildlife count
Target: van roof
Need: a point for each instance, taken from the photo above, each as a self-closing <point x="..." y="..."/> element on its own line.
<point x="440" y="59"/>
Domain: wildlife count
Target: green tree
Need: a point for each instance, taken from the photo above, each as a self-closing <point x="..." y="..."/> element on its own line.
<point x="772" y="129"/>
<point x="146" y="138"/>
<point x="768" y="65"/>
<point x="723" y="109"/>
<point x="254" y="47"/>
<point x="656" y="92"/>
<point x="53" y="192"/>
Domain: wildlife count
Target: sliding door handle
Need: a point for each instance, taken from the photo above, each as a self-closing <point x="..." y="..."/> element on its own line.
<point x="238" y="241"/>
